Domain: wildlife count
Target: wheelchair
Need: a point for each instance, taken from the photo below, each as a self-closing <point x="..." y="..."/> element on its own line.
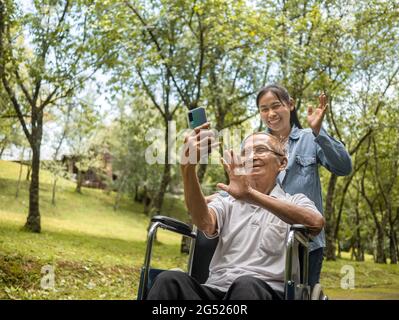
<point x="202" y="249"/>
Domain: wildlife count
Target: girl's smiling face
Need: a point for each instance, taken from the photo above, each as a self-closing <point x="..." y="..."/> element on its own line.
<point x="275" y="114"/>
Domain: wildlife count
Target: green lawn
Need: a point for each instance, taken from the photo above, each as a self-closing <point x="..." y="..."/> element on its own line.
<point x="96" y="252"/>
<point x="371" y="281"/>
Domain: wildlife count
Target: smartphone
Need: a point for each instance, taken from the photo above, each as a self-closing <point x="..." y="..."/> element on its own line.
<point x="196" y="117"/>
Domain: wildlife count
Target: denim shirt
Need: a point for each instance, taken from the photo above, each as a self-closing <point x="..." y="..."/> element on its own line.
<point x="305" y="153"/>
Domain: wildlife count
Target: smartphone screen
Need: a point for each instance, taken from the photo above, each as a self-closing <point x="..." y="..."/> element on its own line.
<point x="196" y="117"/>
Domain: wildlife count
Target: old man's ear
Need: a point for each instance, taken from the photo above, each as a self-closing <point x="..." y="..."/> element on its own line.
<point x="283" y="163"/>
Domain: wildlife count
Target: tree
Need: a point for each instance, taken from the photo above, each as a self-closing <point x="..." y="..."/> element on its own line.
<point x="52" y="63"/>
<point x="374" y="42"/>
<point x="326" y="46"/>
<point x="61" y="117"/>
<point x="183" y="56"/>
<point x="126" y="140"/>
<point x="84" y="126"/>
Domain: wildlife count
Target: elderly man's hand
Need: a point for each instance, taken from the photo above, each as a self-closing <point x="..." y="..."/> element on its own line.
<point x="198" y="144"/>
<point x="239" y="186"/>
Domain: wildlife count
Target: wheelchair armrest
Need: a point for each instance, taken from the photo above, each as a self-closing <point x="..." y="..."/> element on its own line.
<point x="174" y="225"/>
<point x="301" y="234"/>
<point x="300" y="228"/>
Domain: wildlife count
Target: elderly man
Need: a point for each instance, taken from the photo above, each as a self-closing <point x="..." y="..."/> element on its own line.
<point x="252" y="222"/>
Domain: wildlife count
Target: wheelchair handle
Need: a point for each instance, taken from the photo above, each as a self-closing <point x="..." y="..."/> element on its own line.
<point x="298" y="234"/>
<point x="174" y="225"/>
<point x="164" y="223"/>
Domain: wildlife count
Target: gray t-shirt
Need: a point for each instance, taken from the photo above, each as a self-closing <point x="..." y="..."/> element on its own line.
<point x="251" y="241"/>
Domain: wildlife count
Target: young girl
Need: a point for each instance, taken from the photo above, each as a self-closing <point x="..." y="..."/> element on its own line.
<point x="306" y="149"/>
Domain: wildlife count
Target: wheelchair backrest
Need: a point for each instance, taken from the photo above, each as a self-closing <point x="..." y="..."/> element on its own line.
<point x="203" y="253"/>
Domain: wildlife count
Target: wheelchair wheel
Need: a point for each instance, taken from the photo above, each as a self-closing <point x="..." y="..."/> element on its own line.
<point x="305" y="294"/>
<point x="302" y="293"/>
<point x="317" y="293"/>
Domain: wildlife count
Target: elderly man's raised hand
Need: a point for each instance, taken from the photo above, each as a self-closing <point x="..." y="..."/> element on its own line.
<point x="239" y="186"/>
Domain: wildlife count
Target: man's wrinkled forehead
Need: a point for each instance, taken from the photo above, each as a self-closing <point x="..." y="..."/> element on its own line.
<point x="257" y="140"/>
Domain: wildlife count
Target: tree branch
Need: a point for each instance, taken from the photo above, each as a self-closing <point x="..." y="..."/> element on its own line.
<point x="360" y="142"/>
<point x="17" y="107"/>
<point x="238" y="122"/>
<point x="23" y="88"/>
<point x="159" y="49"/>
<point x="48" y="99"/>
<point x="201" y="60"/>
<point x="149" y="93"/>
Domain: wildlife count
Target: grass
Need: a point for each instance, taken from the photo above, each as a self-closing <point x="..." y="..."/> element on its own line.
<point x="371" y="280"/>
<point x="96" y="253"/>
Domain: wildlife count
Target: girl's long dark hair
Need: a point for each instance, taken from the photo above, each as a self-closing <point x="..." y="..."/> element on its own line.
<point x="282" y="95"/>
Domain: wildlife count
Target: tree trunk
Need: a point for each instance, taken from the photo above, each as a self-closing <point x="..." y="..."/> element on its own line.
<point x="147" y="201"/>
<point x="157" y="206"/>
<point x="397" y="245"/>
<point x="119" y="194"/>
<point x="380" y="254"/>
<point x="201" y="172"/>
<point x="20" y="173"/>
<point x="33" y="220"/>
<point x="158" y="203"/>
<point x="339" y="250"/>
<point x="29" y="167"/>
<point x="393" y="246"/>
<point x="330" y="222"/>
<point x="395" y="234"/>
<point x="79" y="182"/>
<point x="3" y="147"/>
<point x="19" y="181"/>
<point x="54" y="189"/>
<point x="359" y="254"/>
<point x="136" y="193"/>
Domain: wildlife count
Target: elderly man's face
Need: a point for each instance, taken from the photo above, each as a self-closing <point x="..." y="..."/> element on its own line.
<point x="261" y="156"/>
